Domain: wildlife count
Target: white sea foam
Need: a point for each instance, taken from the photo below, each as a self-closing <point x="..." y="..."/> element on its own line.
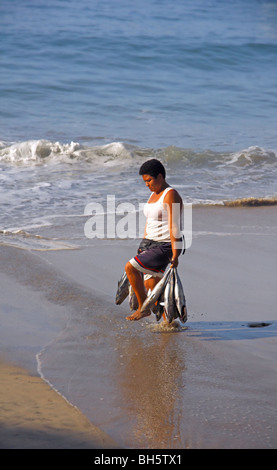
<point x="44" y="151"/>
<point x="115" y="153"/>
<point x="36" y="151"/>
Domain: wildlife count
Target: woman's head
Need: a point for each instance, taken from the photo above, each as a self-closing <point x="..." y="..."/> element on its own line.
<point x="153" y="168"/>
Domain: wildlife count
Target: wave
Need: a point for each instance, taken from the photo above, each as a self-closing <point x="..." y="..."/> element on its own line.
<point x="36" y="151"/>
<point x="43" y="151"/>
<point x="253" y="155"/>
<point x="241" y="178"/>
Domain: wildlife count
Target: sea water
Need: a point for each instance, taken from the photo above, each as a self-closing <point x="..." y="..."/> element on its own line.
<point x="89" y="91"/>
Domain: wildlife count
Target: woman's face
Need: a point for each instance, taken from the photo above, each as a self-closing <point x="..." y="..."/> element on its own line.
<point x="154" y="184"/>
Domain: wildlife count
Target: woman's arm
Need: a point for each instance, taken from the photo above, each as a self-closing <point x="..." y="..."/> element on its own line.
<point x="174" y="204"/>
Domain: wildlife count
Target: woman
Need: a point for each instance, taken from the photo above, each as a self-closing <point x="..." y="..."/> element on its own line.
<point x="162" y="232"/>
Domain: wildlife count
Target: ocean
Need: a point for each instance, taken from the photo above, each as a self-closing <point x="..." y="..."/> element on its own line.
<point x="91" y="89"/>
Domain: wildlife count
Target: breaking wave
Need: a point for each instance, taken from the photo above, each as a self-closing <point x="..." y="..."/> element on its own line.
<point x="41" y="151"/>
<point x="230" y="179"/>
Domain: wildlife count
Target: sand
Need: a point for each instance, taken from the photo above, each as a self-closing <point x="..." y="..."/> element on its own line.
<point x="34" y="416"/>
<point x="211" y="386"/>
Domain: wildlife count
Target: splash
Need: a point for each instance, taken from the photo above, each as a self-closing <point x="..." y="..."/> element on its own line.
<point x="164" y="327"/>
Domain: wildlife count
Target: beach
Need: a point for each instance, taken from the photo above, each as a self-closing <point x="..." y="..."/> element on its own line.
<point x="85" y="102"/>
<point x="76" y="374"/>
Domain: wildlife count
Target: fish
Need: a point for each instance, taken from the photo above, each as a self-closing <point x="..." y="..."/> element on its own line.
<point x="167" y="297"/>
<point x="159" y="307"/>
<point x="133" y="302"/>
<point x="122" y="289"/>
<point x="155" y="293"/>
<point x="180" y="298"/>
<point x="171" y="311"/>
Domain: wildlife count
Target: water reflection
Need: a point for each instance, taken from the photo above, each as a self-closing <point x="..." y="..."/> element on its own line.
<point x="151" y="380"/>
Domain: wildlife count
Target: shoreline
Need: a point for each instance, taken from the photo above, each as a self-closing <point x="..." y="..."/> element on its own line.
<point x="56" y="304"/>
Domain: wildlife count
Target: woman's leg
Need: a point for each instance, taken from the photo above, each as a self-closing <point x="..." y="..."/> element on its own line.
<point x="150" y="284"/>
<point x="136" y="281"/>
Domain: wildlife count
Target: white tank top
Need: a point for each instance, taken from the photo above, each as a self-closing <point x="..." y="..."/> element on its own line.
<point x="157" y="219"/>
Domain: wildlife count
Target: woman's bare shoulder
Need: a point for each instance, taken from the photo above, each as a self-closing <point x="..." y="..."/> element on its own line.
<point x="172" y="196"/>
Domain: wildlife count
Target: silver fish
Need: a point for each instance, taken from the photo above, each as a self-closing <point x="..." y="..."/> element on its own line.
<point x="180" y="298"/>
<point x="122" y="289"/>
<point x="155" y="293"/>
<point x="133" y="302"/>
<point x="159" y="308"/>
<point x="166" y="298"/>
<point x="171" y="311"/>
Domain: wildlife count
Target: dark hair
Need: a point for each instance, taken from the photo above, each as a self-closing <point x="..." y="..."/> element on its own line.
<point x="153" y="168"/>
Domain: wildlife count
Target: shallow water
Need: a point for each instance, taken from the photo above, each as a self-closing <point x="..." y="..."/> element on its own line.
<point x="154" y="387"/>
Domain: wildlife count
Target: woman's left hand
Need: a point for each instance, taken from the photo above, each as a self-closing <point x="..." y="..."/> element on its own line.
<point x="174" y="262"/>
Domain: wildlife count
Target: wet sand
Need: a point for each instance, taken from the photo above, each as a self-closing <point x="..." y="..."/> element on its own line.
<point x="34" y="416"/>
<point x="210" y="384"/>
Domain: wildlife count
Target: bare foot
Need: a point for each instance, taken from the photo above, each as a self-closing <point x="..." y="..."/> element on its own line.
<point x="138" y="315"/>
